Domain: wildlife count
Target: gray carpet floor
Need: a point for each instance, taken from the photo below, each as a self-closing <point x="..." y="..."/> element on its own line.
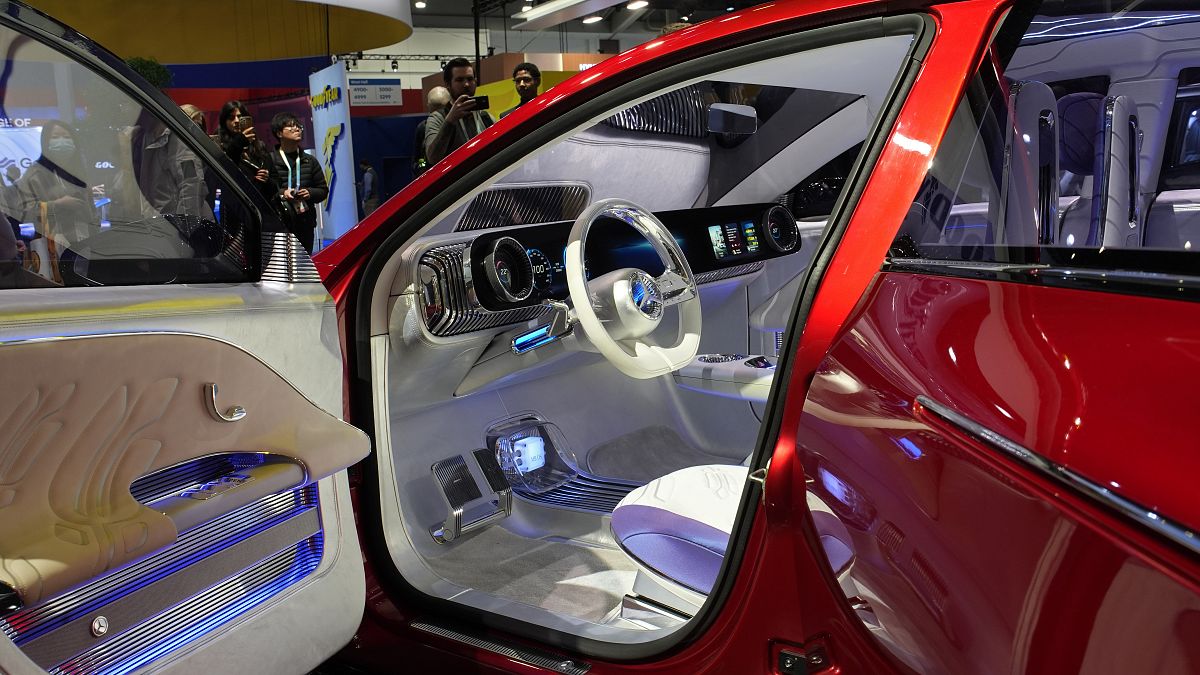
<point x="646" y="454"/>
<point x="575" y="580"/>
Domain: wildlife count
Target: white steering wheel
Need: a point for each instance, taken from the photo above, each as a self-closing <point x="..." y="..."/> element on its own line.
<point x="619" y="310"/>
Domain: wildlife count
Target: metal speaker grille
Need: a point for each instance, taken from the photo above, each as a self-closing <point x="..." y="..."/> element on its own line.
<point x="682" y="112"/>
<point x="450" y="305"/>
<point x="524" y="205"/>
<point x="286" y="260"/>
<point x="583" y="493"/>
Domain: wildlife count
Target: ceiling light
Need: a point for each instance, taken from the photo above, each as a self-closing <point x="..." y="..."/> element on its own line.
<point x="593" y="18"/>
<point x="395" y="66"/>
<point x="683" y="18"/>
<point x="419" y="4"/>
<point x="728" y="9"/>
<point x="637" y="4"/>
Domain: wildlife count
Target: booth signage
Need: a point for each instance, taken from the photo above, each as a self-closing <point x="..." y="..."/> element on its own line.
<point x="377" y="91"/>
<point x="331" y="136"/>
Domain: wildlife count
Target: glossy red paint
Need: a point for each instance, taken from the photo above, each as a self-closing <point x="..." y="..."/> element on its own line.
<point x="783" y="590"/>
<point x="994" y="567"/>
<point x="780" y="593"/>
<point x="958" y="49"/>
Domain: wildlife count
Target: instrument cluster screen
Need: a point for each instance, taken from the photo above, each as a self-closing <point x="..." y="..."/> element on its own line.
<point x="733" y="239"/>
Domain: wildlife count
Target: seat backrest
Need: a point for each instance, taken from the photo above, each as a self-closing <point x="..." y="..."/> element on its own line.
<point x="1100" y="138"/>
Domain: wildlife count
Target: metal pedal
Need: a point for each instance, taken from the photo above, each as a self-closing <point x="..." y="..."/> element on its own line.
<point x="460" y="489"/>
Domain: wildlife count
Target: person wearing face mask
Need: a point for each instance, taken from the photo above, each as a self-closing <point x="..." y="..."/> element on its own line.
<point x="54" y="195"/>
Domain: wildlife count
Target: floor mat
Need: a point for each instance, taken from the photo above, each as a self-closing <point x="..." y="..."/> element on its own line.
<point x="646" y="454"/>
<point x="579" y="581"/>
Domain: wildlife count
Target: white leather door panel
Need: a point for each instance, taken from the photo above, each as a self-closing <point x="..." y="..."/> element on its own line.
<point x="105" y="388"/>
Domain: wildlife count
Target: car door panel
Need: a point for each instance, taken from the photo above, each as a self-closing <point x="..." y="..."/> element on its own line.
<point x="281" y="564"/>
<point x="79" y="438"/>
<point x="967" y="562"/>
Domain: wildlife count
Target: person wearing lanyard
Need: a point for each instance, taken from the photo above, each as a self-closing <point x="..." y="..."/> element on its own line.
<point x="300" y="179"/>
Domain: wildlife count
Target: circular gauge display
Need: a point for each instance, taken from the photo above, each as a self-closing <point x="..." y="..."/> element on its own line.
<point x="509" y="270"/>
<point x="543" y="272"/>
<point x="783" y="234"/>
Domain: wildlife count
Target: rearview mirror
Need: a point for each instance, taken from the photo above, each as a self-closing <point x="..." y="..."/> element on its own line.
<point x="731" y="118"/>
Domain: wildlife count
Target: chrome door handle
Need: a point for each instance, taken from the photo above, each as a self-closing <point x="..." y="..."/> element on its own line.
<point x="231" y="414"/>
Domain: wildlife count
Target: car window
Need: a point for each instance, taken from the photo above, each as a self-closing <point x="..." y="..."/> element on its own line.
<point x="95" y="189"/>
<point x="1041" y="168"/>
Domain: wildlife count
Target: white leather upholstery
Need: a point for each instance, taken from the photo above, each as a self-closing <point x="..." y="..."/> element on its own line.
<point x="706" y="494"/>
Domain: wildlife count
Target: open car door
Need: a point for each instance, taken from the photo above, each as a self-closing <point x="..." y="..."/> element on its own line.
<point x="172" y="484"/>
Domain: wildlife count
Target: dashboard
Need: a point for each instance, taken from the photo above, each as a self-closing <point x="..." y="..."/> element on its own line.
<point x="525" y="266"/>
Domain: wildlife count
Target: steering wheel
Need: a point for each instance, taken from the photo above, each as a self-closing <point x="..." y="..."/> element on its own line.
<point x="619" y="310"/>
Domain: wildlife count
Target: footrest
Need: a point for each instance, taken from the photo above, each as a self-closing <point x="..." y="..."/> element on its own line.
<point x="468" y="509"/>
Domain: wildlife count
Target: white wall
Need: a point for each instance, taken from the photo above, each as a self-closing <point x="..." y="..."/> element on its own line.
<point x="450" y="42"/>
<point x="444" y="42"/>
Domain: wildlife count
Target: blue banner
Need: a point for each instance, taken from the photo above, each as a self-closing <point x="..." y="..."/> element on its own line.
<point x="330" y="103"/>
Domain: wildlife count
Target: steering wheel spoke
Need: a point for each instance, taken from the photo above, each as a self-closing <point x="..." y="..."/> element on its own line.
<point x="674" y="288"/>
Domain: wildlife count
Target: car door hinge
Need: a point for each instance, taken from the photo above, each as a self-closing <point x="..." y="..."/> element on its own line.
<point x="809" y="659"/>
<point x="760" y="476"/>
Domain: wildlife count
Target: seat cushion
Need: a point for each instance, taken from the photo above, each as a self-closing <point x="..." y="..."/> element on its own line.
<point x="678" y="526"/>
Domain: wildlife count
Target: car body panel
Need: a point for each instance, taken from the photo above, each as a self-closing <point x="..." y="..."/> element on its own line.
<point x="987" y="564"/>
<point x="776" y="598"/>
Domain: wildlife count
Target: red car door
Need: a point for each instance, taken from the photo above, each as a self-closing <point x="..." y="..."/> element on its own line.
<point x="781" y="611"/>
<point x="1000" y="422"/>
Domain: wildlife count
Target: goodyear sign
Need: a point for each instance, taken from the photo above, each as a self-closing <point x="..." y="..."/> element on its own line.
<point x="331" y="134"/>
<point x="328" y="96"/>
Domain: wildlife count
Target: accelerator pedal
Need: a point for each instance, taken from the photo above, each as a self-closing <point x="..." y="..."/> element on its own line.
<point x="469" y="510"/>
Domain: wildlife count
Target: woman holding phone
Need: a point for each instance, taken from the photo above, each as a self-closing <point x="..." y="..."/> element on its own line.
<point x="235" y="135"/>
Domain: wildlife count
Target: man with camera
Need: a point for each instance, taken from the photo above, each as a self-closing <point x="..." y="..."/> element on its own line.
<point x="462" y="119"/>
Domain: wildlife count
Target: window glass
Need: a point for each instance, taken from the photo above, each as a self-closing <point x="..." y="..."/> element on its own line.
<point x="1061" y="157"/>
<point x="95" y="189"/>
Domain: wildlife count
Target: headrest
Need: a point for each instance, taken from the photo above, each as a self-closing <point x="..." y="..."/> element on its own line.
<point x="1079" y="132"/>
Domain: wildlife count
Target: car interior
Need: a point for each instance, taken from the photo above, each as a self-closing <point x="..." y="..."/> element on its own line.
<point x="579" y="465"/>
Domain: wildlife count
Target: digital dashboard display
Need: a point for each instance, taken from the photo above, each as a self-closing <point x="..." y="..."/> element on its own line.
<point x="733" y="239"/>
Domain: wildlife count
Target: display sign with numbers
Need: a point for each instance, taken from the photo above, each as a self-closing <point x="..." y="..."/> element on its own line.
<point x="377" y="91"/>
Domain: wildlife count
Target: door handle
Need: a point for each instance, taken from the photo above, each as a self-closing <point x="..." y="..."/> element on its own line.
<point x="231" y="414"/>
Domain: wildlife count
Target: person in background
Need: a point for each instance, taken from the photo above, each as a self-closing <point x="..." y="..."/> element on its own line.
<point x="235" y="135"/>
<point x="527" y="79"/>
<point x="368" y="188"/>
<point x="54" y="195"/>
<point x="299" y="177"/>
<point x="436" y="100"/>
<point x="458" y="122"/>
<point x="195" y="114"/>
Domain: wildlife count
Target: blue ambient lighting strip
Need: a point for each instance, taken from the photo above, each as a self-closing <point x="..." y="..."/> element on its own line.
<point x="535" y="338"/>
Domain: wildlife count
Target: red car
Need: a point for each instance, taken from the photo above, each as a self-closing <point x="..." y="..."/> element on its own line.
<point x="820" y="337"/>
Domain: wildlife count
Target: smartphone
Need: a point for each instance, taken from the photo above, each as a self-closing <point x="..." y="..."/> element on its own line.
<point x="244" y="122"/>
<point x="481" y="102"/>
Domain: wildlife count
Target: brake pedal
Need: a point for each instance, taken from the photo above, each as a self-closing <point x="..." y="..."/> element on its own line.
<point x="462" y="495"/>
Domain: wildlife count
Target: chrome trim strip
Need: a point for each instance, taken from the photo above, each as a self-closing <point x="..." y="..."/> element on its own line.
<point x="524" y="655"/>
<point x="1095" y="277"/>
<point x="728" y="272"/>
<point x="1143" y="516"/>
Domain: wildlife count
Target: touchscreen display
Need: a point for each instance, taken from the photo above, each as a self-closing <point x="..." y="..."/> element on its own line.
<point x="733" y="239"/>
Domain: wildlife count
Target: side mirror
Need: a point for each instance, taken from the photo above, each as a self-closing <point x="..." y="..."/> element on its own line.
<point x="731" y="118"/>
